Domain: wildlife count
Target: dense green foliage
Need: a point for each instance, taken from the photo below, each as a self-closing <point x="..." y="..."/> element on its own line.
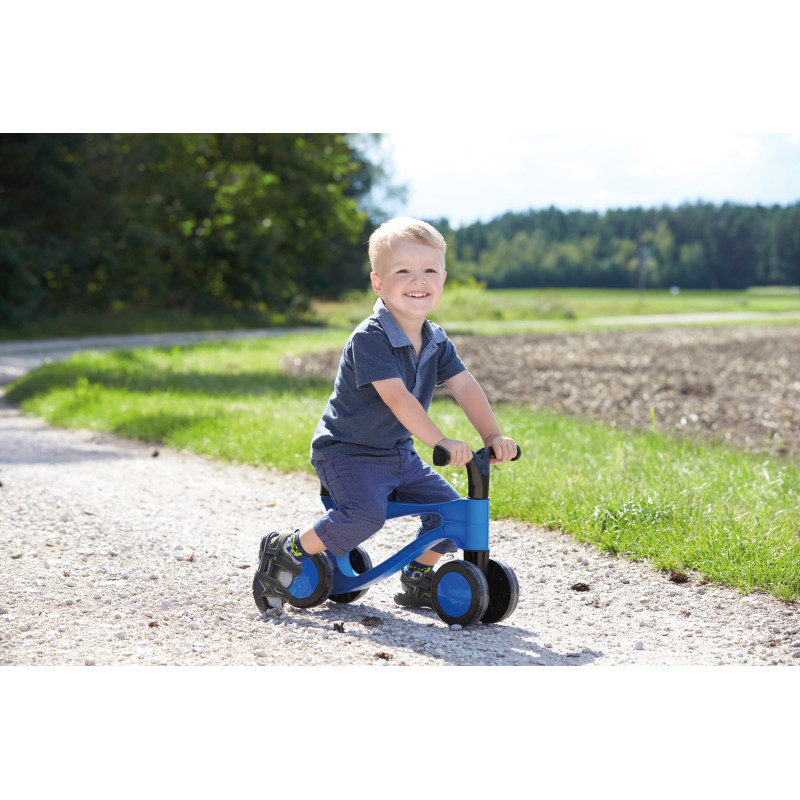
<point x="196" y="222"/>
<point x="694" y="246"/>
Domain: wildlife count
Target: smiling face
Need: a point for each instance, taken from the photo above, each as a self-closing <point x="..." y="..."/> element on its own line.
<point x="410" y="278"/>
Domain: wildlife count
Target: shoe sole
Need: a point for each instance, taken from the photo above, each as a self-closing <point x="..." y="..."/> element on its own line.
<point x="264" y="602"/>
<point x="402" y="599"/>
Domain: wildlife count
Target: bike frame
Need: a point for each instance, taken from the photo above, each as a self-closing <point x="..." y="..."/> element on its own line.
<point x="465" y="522"/>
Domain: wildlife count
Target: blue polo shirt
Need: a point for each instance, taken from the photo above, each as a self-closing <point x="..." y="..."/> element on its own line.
<point x="356" y="420"/>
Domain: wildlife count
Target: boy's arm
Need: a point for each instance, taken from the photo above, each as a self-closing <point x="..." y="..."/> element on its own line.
<point x="412" y="415"/>
<point x="472" y="399"/>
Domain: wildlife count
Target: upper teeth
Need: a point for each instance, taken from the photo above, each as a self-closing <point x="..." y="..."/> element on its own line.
<point x="417" y="294"/>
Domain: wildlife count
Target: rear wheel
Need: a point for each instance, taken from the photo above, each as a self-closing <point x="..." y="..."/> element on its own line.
<point x="313" y="585"/>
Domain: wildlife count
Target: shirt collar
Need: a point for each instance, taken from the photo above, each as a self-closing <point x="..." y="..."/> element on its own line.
<point x="396" y="335"/>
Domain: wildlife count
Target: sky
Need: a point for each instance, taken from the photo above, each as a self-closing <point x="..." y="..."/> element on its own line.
<point x="467" y="177"/>
<point x="467" y="94"/>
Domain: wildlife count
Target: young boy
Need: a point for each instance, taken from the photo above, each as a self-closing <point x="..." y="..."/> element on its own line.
<point x="362" y="449"/>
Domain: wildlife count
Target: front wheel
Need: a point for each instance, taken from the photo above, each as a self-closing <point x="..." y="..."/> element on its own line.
<point x="460" y="593"/>
<point x="503" y="591"/>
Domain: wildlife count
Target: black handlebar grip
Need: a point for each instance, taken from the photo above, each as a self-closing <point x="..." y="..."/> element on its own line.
<point x="441" y="458"/>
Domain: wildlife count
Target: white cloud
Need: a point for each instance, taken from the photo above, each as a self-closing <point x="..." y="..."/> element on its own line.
<point x="579" y="169"/>
<point x="686" y="154"/>
<point x="472" y="176"/>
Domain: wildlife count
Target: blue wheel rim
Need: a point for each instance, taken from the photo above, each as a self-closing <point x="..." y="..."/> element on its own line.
<point x="454" y="594"/>
<point x="305" y="584"/>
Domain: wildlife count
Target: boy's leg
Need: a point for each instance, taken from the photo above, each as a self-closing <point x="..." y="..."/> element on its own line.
<point x="360" y="487"/>
<point x="422" y="484"/>
<point x="310" y="541"/>
<point x="429" y="558"/>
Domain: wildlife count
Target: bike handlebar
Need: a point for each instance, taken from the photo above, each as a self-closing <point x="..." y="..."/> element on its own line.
<point x="441" y="458"/>
<point x="477" y="469"/>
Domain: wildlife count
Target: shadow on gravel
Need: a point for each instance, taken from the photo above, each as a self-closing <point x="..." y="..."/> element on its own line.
<point x="502" y="644"/>
<point x="28" y="450"/>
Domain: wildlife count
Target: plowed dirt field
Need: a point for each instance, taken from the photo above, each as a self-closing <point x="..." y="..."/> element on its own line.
<point x="738" y="385"/>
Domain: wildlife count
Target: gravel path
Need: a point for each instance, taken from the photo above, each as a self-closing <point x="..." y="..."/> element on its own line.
<point x="119" y="552"/>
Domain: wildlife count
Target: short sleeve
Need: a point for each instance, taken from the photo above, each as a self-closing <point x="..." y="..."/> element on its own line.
<point x="449" y="363"/>
<point x="373" y="358"/>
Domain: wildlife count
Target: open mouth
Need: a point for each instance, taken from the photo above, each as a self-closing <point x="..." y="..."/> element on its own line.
<point x="417" y="295"/>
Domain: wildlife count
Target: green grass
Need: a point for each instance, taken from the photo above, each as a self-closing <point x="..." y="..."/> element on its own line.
<point x="729" y="516"/>
<point x="464" y="308"/>
<point x="232" y="402"/>
<point x="467" y="308"/>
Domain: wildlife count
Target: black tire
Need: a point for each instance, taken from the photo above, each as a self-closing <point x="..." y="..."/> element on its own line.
<point x="313" y="586"/>
<point x="460" y="593"/>
<point x="503" y="592"/>
<point x="360" y="562"/>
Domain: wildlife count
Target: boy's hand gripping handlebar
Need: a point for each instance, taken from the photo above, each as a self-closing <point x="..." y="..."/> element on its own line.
<point x="441" y="458"/>
<point x="477" y="469"/>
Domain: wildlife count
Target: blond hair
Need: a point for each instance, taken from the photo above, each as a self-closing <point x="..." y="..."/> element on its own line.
<point x="415" y="230"/>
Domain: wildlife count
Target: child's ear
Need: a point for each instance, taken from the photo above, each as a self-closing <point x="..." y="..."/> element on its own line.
<point x="376" y="283"/>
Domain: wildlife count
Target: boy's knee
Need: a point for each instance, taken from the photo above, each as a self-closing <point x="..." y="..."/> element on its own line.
<point x="343" y="531"/>
<point x="365" y="525"/>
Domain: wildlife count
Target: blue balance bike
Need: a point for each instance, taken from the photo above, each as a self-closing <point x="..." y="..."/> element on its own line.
<point x="475" y="589"/>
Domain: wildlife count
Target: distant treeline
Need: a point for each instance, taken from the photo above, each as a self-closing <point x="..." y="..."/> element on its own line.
<point x="699" y="246"/>
<point x="194" y="222"/>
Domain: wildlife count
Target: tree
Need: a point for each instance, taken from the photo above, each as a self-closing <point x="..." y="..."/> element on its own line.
<point x="694" y="245"/>
<point x="41" y="193"/>
<point x="93" y="222"/>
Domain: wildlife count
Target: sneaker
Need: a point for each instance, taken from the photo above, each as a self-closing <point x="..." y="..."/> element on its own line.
<point x="416" y="589"/>
<point x="275" y="574"/>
